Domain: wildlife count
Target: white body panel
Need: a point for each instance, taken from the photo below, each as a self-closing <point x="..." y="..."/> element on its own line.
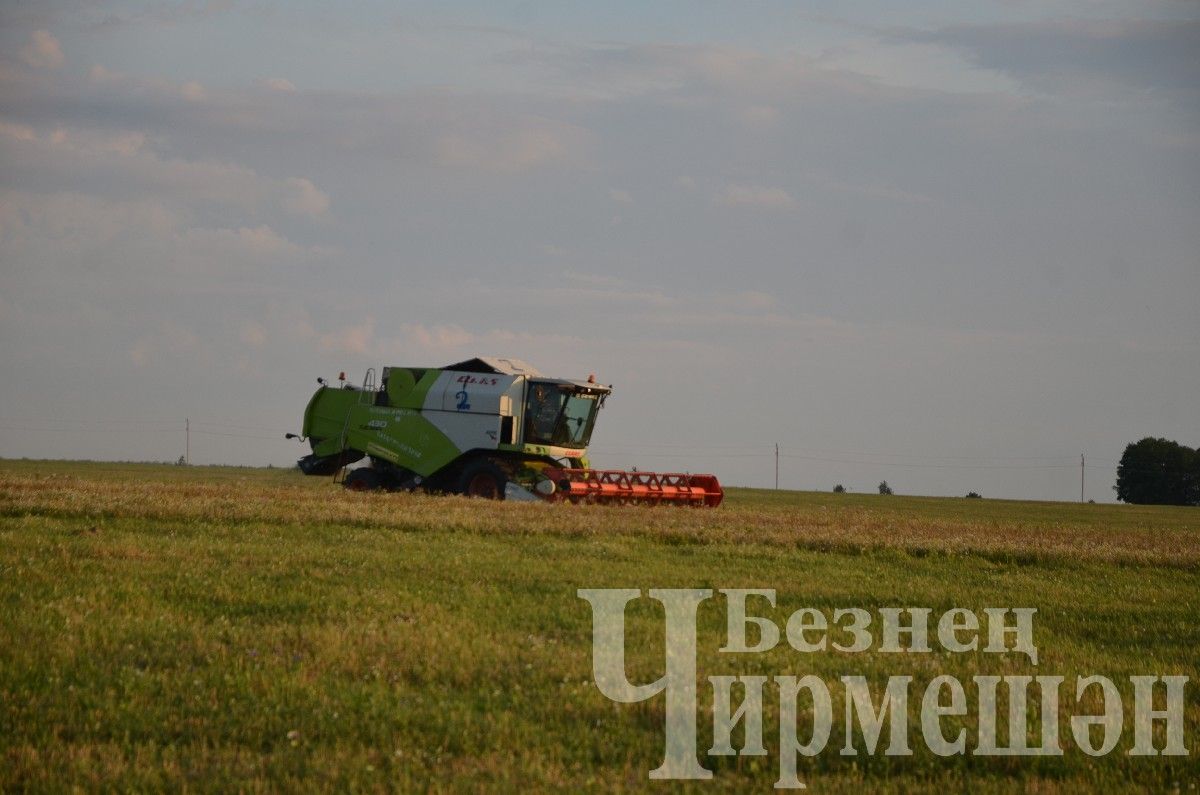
<point x="476" y="393"/>
<point x="468" y="431"/>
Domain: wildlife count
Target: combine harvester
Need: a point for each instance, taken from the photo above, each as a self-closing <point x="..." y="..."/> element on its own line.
<point x="493" y="428"/>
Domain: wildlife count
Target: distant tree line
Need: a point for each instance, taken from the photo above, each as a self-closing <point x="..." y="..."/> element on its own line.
<point x="1159" y="472"/>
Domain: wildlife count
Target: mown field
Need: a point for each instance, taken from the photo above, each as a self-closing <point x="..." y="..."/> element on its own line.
<point x="217" y="629"/>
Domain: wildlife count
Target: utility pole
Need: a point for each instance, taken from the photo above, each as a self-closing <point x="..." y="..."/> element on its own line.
<point x="1081" y="468"/>
<point x="777" y="466"/>
<point x="187" y="440"/>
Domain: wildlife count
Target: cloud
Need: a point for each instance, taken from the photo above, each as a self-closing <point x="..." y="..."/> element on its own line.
<point x="279" y="84"/>
<point x="879" y="192"/>
<point x="43" y="51"/>
<point x="756" y="196"/>
<point x="436" y="337"/>
<point x="353" y="339"/>
<point x="193" y="91"/>
<point x="101" y="74"/>
<point x="413" y="339"/>
<point x="687" y="73"/>
<point x="445" y="342"/>
<point x="146" y="88"/>
<point x="620" y="196"/>
<point x="171" y="343"/>
<point x="121" y="163"/>
<point x="99" y="17"/>
<point x="1055" y="54"/>
<point x="75" y="223"/>
<point x="259" y="242"/>
<point x="305" y="198"/>
<point x="492" y="145"/>
<point x="252" y="334"/>
<point x="753" y="300"/>
<point x="19" y="132"/>
<point x="63" y="232"/>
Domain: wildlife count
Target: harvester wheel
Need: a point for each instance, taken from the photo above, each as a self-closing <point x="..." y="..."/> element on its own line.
<point x="482" y="479"/>
<point x="363" y="479"/>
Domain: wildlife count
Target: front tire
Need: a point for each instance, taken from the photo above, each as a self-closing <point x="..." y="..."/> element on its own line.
<point x="482" y="479"/>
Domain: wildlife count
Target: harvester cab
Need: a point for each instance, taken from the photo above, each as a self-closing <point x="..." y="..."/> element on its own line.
<point x="486" y="427"/>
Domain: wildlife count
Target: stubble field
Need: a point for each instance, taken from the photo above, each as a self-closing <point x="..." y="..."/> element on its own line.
<point x="222" y="628"/>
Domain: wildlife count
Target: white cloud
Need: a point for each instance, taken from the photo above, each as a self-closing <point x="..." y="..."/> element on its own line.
<point x="886" y="193"/>
<point x="75" y="222"/>
<point x="1073" y="54"/>
<point x="682" y="75"/>
<point x="436" y="337"/>
<point x="171" y="342"/>
<point x="102" y="74"/>
<point x="620" y="196"/>
<point x="753" y="299"/>
<point x="98" y="143"/>
<point x="43" y="51"/>
<point x="124" y="161"/>
<point x="305" y="198"/>
<point x="279" y="84"/>
<point x="253" y="334"/>
<point x="595" y="280"/>
<point x="353" y="339"/>
<point x="756" y="196"/>
<point x="498" y="146"/>
<point x="193" y="91"/>
<point x="21" y="132"/>
<point x="258" y="242"/>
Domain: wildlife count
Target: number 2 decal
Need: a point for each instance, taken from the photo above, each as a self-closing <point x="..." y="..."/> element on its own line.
<point x="463" y="405"/>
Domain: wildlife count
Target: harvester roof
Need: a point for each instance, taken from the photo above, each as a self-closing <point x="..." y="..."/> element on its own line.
<point x="494" y="364"/>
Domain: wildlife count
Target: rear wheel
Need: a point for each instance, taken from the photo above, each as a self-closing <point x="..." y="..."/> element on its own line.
<point x="364" y="479"/>
<point x="482" y="479"/>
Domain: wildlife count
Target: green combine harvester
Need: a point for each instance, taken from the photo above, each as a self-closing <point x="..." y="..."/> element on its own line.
<point x="486" y="427"/>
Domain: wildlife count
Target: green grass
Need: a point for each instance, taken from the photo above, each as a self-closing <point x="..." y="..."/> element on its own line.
<point x="223" y="628"/>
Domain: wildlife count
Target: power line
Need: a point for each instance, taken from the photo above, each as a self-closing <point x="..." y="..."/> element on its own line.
<point x="925" y="456"/>
<point x="236" y="435"/>
<point x="14" y="424"/>
<point x="822" y="459"/>
<point x="174" y="429"/>
<point x="913" y="465"/>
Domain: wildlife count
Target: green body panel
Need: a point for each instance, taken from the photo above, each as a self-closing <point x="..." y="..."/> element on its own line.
<point x="339" y="419"/>
<point x="400" y="384"/>
<point x="325" y="418"/>
<point x="408" y="391"/>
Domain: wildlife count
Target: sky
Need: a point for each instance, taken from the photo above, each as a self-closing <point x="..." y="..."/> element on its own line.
<point x="950" y="245"/>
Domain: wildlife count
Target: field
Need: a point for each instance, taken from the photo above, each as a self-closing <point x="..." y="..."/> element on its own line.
<point x="210" y="629"/>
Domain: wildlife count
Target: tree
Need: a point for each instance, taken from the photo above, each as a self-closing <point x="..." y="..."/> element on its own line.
<point x="1158" y="472"/>
<point x="884" y="488"/>
<point x="839" y="489"/>
<point x="974" y="495"/>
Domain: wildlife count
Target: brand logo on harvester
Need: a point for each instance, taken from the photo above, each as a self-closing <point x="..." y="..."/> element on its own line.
<point x="1001" y="630"/>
